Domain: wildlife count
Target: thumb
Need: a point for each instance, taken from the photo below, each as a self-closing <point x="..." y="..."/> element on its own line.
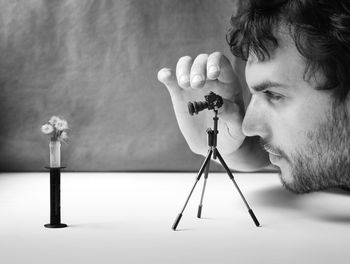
<point x="167" y="77"/>
<point x="232" y="113"/>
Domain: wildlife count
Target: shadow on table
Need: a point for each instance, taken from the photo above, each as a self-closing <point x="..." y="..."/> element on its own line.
<point x="277" y="196"/>
<point x="339" y="191"/>
<point x="323" y="205"/>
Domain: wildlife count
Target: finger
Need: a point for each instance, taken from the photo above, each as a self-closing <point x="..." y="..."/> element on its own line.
<point x="226" y="90"/>
<point x="219" y="67"/>
<point x="199" y="71"/>
<point x="167" y="77"/>
<point x="183" y="68"/>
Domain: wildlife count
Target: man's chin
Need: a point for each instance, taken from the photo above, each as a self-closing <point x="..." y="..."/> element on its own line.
<point x="293" y="183"/>
<point x="289" y="183"/>
<point x="300" y="186"/>
<point x="291" y="187"/>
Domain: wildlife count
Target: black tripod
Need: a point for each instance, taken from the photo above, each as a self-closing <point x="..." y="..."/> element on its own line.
<point x="213" y="151"/>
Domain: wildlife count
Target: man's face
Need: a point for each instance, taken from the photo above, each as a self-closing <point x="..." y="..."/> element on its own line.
<point x="304" y="131"/>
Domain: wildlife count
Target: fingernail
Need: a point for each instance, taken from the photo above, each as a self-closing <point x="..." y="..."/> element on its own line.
<point x="197" y="79"/>
<point x="184" y="80"/>
<point x="213" y="69"/>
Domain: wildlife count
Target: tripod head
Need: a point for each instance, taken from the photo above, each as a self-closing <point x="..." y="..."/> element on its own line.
<point x="212" y="101"/>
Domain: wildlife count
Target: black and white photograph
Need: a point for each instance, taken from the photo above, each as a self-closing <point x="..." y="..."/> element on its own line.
<point x="174" y="131"/>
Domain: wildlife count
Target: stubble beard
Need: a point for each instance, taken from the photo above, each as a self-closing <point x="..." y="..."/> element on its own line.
<point x="325" y="161"/>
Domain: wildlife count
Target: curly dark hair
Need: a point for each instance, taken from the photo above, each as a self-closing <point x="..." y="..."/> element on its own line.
<point x="319" y="28"/>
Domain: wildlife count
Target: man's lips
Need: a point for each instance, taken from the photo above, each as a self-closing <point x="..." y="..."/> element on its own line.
<point x="271" y="150"/>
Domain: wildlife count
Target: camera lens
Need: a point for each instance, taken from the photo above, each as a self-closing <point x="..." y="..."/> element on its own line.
<point x="195" y="107"/>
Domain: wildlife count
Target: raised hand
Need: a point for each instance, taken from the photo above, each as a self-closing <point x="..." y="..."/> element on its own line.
<point x="193" y="80"/>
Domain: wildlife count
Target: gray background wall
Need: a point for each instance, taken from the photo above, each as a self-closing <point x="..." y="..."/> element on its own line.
<point x="95" y="63"/>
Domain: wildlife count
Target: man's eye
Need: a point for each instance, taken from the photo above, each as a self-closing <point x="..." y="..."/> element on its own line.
<point x="272" y="96"/>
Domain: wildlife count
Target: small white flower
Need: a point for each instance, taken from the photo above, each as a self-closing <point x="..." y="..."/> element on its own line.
<point x="64" y="135"/>
<point x="61" y="125"/>
<point x="53" y="120"/>
<point x="55" y="128"/>
<point x="47" y="129"/>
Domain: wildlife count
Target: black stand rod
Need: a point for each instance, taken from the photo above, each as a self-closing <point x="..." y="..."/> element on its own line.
<point x="199" y="175"/>
<point x="55" y="199"/>
<point x="250" y="211"/>
<point x="212" y="142"/>
<point x="206" y="174"/>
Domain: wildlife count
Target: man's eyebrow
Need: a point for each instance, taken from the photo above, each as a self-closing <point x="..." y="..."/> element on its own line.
<point x="266" y="85"/>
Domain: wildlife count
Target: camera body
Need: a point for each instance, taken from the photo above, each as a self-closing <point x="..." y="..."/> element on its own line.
<point x="212" y="101"/>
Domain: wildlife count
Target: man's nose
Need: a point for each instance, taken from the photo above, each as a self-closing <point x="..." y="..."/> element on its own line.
<point x="254" y="122"/>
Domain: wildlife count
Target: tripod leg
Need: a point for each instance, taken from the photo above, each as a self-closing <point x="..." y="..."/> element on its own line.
<point x="199" y="213"/>
<point x="252" y="215"/>
<point x="199" y="175"/>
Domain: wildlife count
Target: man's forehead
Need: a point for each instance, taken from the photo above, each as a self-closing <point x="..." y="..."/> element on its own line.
<point x="286" y="69"/>
<point x="284" y="65"/>
<point x="283" y="68"/>
<point x="285" y="45"/>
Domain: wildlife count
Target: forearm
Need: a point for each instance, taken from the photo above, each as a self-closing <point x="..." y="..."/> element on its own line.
<point x="249" y="157"/>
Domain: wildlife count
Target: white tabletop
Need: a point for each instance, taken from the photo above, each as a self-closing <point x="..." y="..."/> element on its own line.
<point x="127" y="218"/>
